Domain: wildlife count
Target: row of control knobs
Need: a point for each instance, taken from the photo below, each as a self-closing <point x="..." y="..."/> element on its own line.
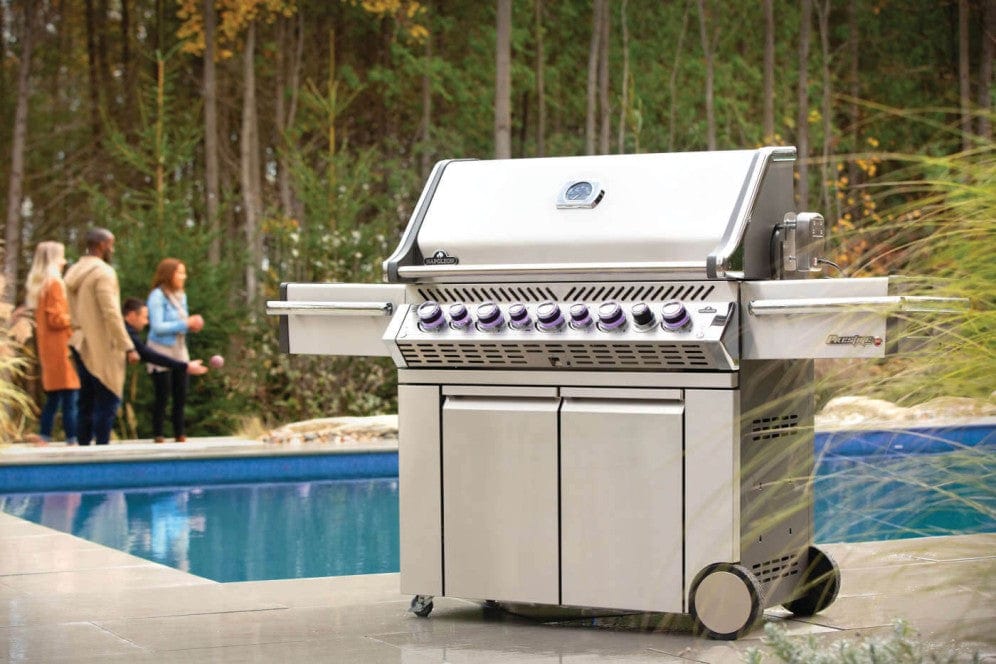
<point x="549" y="317"/>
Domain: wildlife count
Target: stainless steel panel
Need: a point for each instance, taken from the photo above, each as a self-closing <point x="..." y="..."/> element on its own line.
<point x="505" y="391"/>
<point x="705" y="379"/>
<point x="621" y="503"/>
<point x="354" y="326"/>
<point x="712" y="479"/>
<point x="657" y="208"/>
<point x="419" y="489"/>
<point x="625" y="393"/>
<point x="838" y="333"/>
<point x="500" y="498"/>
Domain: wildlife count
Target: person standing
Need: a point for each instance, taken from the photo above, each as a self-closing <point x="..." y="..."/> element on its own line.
<point x="99" y="342"/>
<point x="46" y="296"/>
<point x="169" y="323"/>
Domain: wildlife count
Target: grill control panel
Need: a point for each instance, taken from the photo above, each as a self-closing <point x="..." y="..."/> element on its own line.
<point x="642" y="335"/>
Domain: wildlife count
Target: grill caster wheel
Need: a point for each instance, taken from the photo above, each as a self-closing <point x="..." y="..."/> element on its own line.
<point x="421" y="605"/>
<point x="725" y="601"/>
<point x="819" y="586"/>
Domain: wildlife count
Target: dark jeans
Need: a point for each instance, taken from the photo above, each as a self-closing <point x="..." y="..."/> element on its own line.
<point x="98" y="407"/>
<point x="53" y="400"/>
<point x="169" y="383"/>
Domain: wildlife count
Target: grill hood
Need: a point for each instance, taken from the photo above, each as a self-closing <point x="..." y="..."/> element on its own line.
<point x="695" y="215"/>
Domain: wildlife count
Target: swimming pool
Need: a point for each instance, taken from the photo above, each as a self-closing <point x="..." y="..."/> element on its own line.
<point x="236" y="532"/>
<point x="319" y="527"/>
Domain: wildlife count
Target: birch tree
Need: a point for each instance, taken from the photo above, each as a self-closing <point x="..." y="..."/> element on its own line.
<point x="768" y="110"/>
<point x="707" y="52"/>
<point x="15" y="184"/>
<point x="212" y="189"/>
<point x="802" y="116"/>
<point x="503" y="81"/>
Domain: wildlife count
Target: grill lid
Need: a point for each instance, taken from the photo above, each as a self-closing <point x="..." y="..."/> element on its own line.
<point x="697" y="214"/>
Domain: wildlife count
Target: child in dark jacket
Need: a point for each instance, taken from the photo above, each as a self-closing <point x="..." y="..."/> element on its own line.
<point x="136" y="317"/>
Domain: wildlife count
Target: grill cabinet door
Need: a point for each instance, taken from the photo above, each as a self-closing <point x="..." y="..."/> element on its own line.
<point x="500" y="496"/>
<point x="621" y="502"/>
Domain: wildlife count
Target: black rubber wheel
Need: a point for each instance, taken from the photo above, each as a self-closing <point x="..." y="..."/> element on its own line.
<point x="420" y="607"/>
<point x="725" y="601"/>
<point x="819" y="586"/>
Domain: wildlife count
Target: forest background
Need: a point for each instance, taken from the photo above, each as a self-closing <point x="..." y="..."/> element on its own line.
<point x="263" y="141"/>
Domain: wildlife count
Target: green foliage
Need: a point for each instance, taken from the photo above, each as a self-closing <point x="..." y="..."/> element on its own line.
<point x="935" y="217"/>
<point x="901" y="647"/>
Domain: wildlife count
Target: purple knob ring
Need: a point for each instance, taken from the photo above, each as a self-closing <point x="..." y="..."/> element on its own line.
<point x="549" y="316"/>
<point x="459" y="318"/>
<point x="430" y="316"/>
<point x="580" y="316"/>
<point x="611" y="316"/>
<point x="489" y="317"/>
<point x="674" y="316"/>
<point x="518" y="316"/>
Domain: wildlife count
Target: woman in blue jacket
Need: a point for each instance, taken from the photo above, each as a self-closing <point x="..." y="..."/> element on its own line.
<point x="169" y="323"/>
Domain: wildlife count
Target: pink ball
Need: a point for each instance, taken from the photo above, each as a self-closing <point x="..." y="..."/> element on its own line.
<point x="217" y="361"/>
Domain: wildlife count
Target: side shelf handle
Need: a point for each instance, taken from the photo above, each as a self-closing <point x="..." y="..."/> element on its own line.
<point x="303" y="308"/>
<point x="883" y="304"/>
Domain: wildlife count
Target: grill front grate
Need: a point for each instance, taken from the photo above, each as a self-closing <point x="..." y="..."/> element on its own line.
<point x="555" y="355"/>
<point x="694" y="292"/>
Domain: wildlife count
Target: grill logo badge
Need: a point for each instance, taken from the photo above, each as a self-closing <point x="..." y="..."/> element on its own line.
<point x="853" y="340"/>
<point x="440" y="257"/>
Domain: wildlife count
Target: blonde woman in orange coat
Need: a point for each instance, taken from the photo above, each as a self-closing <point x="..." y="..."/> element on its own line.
<point x="46" y="295"/>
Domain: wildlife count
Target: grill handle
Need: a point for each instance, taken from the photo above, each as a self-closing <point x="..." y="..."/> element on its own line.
<point x="882" y="304"/>
<point x="303" y="308"/>
<point x="425" y="271"/>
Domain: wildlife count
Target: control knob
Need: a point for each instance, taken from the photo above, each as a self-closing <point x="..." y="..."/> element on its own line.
<point x="611" y="316"/>
<point x="580" y="316"/>
<point x="548" y="316"/>
<point x="430" y="316"/>
<point x="674" y="316"/>
<point x="643" y="316"/>
<point x="489" y="317"/>
<point x="518" y="316"/>
<point x="459" y="316"/>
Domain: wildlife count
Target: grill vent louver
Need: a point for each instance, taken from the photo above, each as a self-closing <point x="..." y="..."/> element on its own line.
<point x="778" y="568"/>
<point x="546" y="355"/>
<point x="694" y="292"/>
<point x="768" y="428"/>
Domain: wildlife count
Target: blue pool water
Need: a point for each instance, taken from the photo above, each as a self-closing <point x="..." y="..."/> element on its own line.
<point x="236" y="533"/>
<point x="866" y="488"/>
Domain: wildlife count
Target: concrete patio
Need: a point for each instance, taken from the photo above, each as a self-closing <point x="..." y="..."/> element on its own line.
<point x="65" y="599"/>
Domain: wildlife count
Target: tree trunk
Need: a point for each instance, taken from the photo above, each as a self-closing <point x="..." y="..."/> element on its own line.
<point x="93" y="67"/>
<point x="540" y="82"/>
<point x="986" y="69"/>
<point x="425" y="131"/>
<point x="707" y="53"/>
<point x="768" y="114"/>
<point x="593" y="51"/>
<point x="964" y="76"/>
<point x="802" y="118"/>
<point x="503" y="81"/>
<point x="211" y="169"/>
<point x="854" y="82"/>
<point x="624" y="98"/>
<point x="12" y="243"/>
<point x="295" y="92"/>
<point x="128" y="68"/>
<point x="604" y="111"/>
<point x="673" y="83"/>
<point x="827" y="168"/>
<point x="250" y="195"/>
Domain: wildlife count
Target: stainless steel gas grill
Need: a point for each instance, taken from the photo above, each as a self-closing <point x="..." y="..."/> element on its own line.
<point x="606" y="381"/>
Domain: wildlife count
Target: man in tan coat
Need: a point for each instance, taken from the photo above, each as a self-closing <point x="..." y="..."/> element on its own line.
<point x="100" y="343"/>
